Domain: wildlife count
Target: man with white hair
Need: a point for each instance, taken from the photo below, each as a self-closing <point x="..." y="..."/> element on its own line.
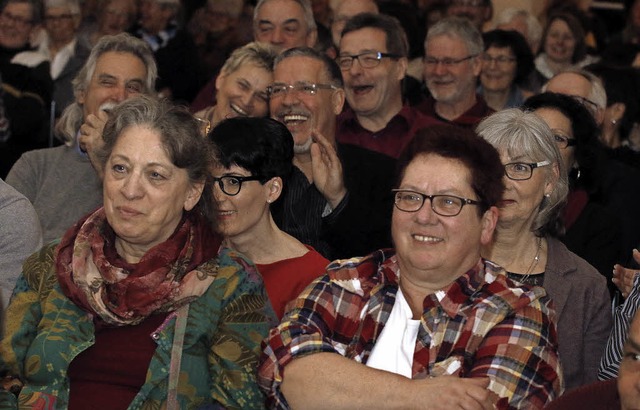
<point x="60" y="182"/>
<point x="524" y="23"/>
<point x="582" y="85"/>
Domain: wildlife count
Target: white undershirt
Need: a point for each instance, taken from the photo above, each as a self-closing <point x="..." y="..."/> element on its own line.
<point x="396" y="344"/>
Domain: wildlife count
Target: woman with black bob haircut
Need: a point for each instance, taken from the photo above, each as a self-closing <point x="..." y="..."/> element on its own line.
<point x="253" y="160"/>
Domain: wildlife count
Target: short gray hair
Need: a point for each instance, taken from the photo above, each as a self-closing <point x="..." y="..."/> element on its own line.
<point x="597" y="94"/>
<point x="306" y="10"/>
<point x="457" y="27"/>
<point x="179" y="133"/>
<point x="520" y="133"/>
<point x="72" y="117"/>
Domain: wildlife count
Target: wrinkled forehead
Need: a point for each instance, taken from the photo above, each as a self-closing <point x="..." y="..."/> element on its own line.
<point x="299" y="69"/>
<point x="281" y="12"/>
<point x="446" y="44"/>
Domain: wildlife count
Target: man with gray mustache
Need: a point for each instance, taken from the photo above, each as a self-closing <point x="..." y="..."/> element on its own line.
<point x="60" y="182"/>
<point x="338" y="199"/>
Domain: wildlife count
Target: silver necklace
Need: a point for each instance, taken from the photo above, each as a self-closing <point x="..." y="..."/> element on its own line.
<point x="534" y="262"/>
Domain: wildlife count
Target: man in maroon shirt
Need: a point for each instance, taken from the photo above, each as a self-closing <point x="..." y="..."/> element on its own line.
<point x="452" y="65"/>
<point x="373" y="61"/>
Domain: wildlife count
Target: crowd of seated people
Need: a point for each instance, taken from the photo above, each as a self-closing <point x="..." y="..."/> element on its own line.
<point x="286" y="203"/>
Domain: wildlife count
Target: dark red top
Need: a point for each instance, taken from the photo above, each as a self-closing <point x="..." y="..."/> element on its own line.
<point x="469" y="119"/>
<point x="391" y="139"/>
<point x="109" y="374"/>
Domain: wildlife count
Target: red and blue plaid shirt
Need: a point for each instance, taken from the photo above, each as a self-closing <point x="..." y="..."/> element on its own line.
<point x="482" y="321"/>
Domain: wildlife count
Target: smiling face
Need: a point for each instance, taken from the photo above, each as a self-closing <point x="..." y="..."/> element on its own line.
<point x="454" y="83"/>
<point x="117" y="76"/>
<point x="116" y="17"/>
<point x="560" y="43"/>
<point x="144" y="192"/>
<point x="521" y="200"/>
<point x="282" y="24"/>
<point x="439" y="247"/>
<point x="242" y="93"/>
<point x="372" y="92"/>
<point x="498" y="69"/>
<point x="560" y="125"/>
<point x="302" y="112"/>
<point x="16" y="25"/>
<point x="241" y="214"/>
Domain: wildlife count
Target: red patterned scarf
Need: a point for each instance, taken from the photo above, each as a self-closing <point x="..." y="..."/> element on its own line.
<point x="169" y="275"/>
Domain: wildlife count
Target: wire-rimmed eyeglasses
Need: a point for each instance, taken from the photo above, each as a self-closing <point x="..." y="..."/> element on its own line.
<point x="231" y="184"/>
<point x="521" y="171"/>
<point x="447" y="62"/>
<point x="368" y="59"/>
<point x="277" y="90"/>
<point x="444" y="205"/>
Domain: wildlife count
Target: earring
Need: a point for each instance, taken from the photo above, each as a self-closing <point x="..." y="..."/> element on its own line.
<point x="547" y="195"/>
<point x="613" y="122"/>
<point x="268" y="201"/>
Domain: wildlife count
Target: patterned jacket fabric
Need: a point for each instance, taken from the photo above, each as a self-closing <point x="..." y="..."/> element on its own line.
<point x="482" y="325"/>
<point x="46" y="331"/>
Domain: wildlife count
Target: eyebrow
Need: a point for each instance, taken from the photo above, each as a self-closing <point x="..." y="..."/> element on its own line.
<point x="632" y="344"/>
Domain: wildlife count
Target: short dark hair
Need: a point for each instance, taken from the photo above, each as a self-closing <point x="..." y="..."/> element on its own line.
<point x="396" y="38"/>
<point x="331" y="67"/>
<point x="518" y="44"/>
<point x="588" y="150"/>
<point x="262" y="146"/>
<point x="480" y="157"/>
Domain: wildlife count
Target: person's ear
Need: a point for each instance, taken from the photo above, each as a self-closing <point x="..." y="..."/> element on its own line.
<point x="552" y="180"/>
<point x="337" y="100"/>
<point x="617" y="111"/>
<point x="312" y="37"/>
<point x="488" y="225"/>
<point x="193" y="195"/>
<point x="274" y="189"/>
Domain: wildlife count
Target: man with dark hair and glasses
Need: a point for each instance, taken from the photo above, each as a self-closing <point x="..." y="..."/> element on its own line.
<point x="373" y="61"/>
<point x="338" y="197"/>
<point x="431" y="323"/>
<point x="452" y="64"/>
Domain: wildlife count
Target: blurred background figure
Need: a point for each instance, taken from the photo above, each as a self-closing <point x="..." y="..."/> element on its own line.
<point x="26" y="80"/>
<point x="66" y="53"/>
<point x="112" y="17"/>
<point x="253" y="162"/>
<point x="524" y="23"/>
<point x="241" y="86"/>
<point x="347" y="9"/>
<point x="479" y="12"/>
<point x="216" y="33"/>
<point x="285" y="24"/>
<point x="562" y="47"/>
<point x="507" y="62"/>
<point x="179" y="76"/>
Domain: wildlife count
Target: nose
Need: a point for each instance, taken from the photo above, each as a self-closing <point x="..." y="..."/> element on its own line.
<point x="439" y="68"/>
<point x="277" y="37"/>
<point x="132" y="188"/>
<point x="425" y="215"/>
<point x="355" y="68"/>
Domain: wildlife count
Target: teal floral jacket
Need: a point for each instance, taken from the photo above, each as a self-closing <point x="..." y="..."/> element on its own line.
<point x="45" y="331"/>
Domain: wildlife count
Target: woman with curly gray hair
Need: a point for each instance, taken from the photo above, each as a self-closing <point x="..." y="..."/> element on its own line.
<point x="526" y="244"/>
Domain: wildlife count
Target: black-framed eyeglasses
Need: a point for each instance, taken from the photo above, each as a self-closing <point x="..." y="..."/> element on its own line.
<point x="521" y="171"/>
<point x="500" y="60"/>
<point x="407" y="200"/>
<point x="447" y="62"/>
<point x="19" y="21"/>
<point x="277" y="90"/>
<point x="564" y="141"/>
<point x="231" y="184"/>
<point x="368" y="59"/>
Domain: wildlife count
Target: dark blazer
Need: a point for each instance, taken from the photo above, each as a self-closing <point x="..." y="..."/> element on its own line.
<point x="583" y="309"/>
